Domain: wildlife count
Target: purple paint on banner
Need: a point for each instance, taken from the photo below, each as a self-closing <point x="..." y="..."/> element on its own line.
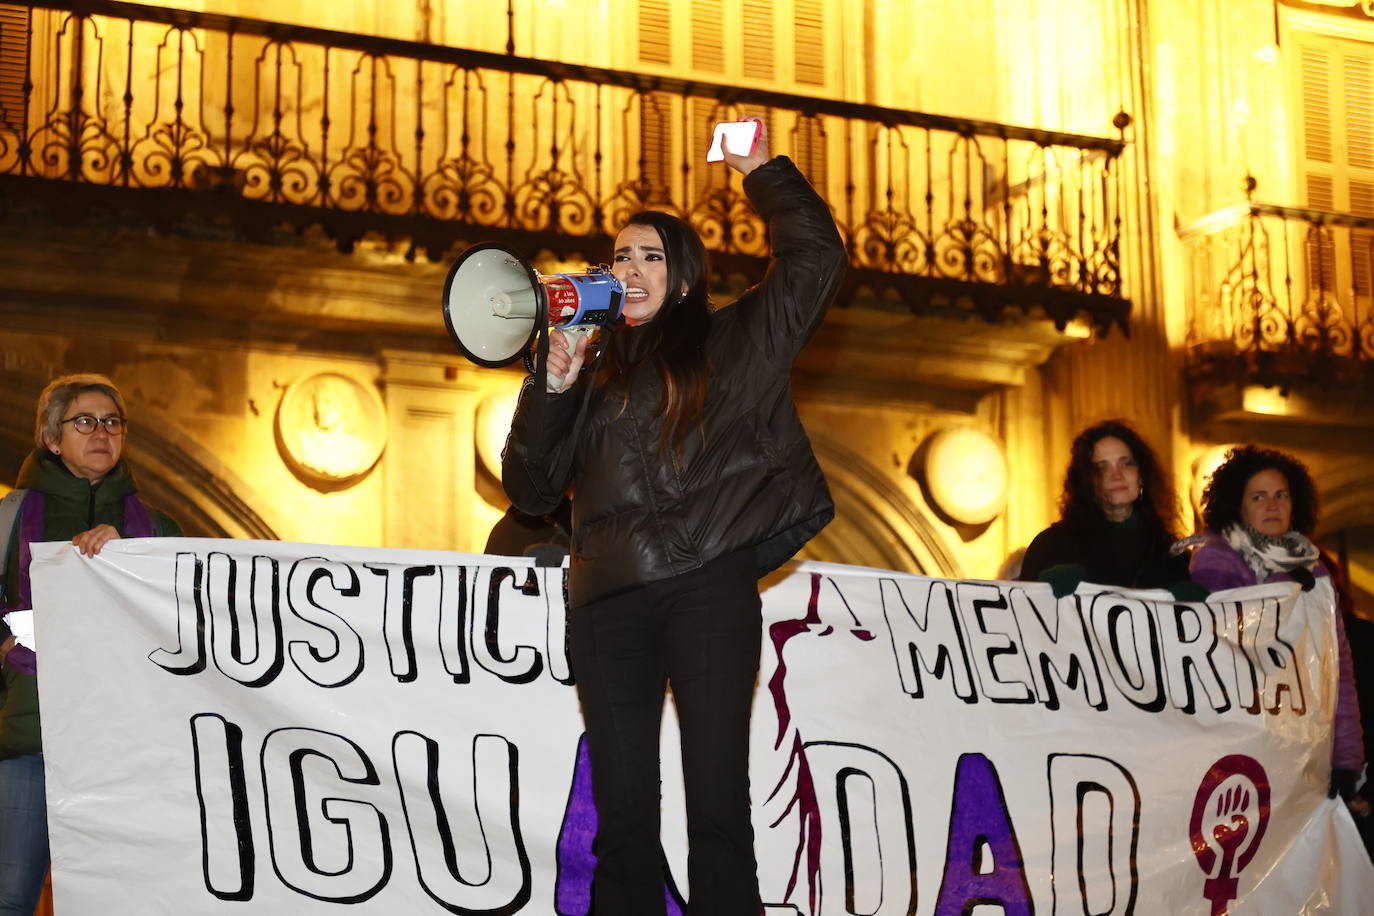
<point x="778" y="634"/>
<point x="576" y="859"/>
<point x="1230" y="815"/>
<point x="980" y="823"/>
<point x="803" y="801"/>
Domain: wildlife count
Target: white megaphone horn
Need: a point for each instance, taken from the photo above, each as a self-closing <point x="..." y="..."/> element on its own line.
<point x="494" y="301"/>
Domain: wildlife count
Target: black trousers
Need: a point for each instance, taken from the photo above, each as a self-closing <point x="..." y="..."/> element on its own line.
<point x="701" y="632"/>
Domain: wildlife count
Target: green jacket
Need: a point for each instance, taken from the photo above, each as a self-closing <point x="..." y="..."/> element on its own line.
<point x="72" y="505"/>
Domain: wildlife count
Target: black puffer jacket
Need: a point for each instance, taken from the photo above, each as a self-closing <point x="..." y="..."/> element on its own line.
<point x="1111" y="553"/>
<point x="747" y="478"/>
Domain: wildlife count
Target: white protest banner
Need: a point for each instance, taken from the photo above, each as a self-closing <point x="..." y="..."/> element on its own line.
<point x="268" y="728"/>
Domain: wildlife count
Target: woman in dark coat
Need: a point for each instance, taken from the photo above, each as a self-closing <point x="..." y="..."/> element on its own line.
<point x="74" y="486"/>
<point x="691" y="477"/>
<point x="1116" y="516"/>
<point x="1359" y="634"/>
<point x="1260" y="509"/>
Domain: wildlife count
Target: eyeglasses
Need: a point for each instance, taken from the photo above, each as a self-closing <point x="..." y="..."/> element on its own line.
<point x="85" y="424"/>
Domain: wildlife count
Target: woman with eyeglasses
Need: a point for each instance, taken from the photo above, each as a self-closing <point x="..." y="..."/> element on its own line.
<point x="74" y="486"/>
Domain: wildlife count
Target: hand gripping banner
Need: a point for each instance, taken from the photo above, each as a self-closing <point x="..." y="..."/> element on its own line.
<point x="243" y="727"/>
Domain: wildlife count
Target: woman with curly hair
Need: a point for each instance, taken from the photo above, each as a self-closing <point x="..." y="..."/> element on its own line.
<point x="1116" y="518"/>
<point x="1260" y="509"/>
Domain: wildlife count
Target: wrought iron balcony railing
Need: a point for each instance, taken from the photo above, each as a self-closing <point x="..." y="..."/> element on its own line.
<point x="1280" y="296"/>
<point x="168" y="113"/>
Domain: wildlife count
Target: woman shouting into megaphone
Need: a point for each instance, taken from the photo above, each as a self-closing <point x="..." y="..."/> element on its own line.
<point x="691" y="478"/>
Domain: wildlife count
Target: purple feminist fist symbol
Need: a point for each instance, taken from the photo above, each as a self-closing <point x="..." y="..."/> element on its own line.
<point x="1230" y="814"/>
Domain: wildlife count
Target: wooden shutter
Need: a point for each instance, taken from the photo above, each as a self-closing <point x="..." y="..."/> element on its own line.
<point x="656" y="144"/>
<point x="692" y="37"/>
<point x="809" y="41"/>
<point x="702" y="116"/>
<point x="655" y="114"/>
<point x="1357" y="70"/>
<point x="809" y="142"/>
<point x="708" y="36"/>
<point x="756" y="33"/>
<point x="655" y="32"/>
<point x="1316" y="103"/>
<point x="1322" y="184"/>
<point x="708" y="48"/>
<point x="14" y="64"/>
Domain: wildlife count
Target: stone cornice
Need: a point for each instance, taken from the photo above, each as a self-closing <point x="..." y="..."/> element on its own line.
<point x="226" y="295"/>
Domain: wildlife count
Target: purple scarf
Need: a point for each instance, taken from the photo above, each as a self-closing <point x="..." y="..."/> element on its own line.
<point x="138" y="523"/>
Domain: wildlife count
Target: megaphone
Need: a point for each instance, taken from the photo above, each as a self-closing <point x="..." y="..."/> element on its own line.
<point x="494" y="300"/>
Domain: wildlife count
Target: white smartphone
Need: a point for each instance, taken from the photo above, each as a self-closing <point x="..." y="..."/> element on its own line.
<point x="742" y="137"/>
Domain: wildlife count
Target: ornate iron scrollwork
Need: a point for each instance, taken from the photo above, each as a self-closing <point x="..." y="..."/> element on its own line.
<point x="256" y="123"/>
<point x="1278" y="298"/>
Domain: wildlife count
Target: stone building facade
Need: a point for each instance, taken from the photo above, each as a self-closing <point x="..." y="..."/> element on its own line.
<point x="253" y="339"/>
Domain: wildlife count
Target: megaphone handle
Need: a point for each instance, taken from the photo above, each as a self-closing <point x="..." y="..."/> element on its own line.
<point x="570" y="336"/>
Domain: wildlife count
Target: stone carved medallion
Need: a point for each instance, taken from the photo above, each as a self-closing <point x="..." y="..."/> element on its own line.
<point x="492" y="426"/>
<point x="331" y="428"/>
<point x="966" y="475"/>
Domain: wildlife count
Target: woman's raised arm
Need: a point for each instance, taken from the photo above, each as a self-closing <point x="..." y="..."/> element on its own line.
<point x="809" y="261"/>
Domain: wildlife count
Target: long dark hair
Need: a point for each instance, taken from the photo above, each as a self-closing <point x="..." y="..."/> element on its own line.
<point x="675" y="340"/>
<point x="1226" y="488"/>
<point x="1156" y="508"/>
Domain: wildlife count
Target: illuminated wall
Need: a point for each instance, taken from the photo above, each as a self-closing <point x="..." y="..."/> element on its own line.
<point x="429" y="488"/>
<point x="1212" y="93"/>
<point x="208" y="341"/>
